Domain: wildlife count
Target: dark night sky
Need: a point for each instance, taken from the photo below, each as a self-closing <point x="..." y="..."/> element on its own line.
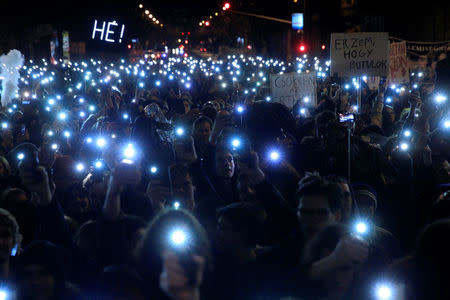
<point x="66" y="11"/>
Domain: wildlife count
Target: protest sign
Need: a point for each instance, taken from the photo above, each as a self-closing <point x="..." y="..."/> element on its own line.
<point x="362" y="53"/>
<point x="290" y="88"/>
<point x="398" y="63"/>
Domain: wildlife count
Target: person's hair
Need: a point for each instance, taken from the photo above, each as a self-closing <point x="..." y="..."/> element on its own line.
<point x="7" y="219"/>
<point x="5" y="164"/>
<point x="317" y="186"/>
<point x="155" y="240"/>
<point x="336" y="179"/>
<point x="199" y="121"/>
<point x="430" y="250"/>
<point x="244" y="217"/>
<point x="8" y="195"/>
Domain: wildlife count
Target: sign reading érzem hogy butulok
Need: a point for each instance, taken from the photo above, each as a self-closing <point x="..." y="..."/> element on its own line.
<point x="361" y="53"/>
<point x="290" y="88"/>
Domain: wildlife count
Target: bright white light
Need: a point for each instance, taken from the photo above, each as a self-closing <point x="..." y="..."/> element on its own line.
<point x="54" y="146"/>
<point x="89" y="140"/>
<point x="274" y="155"/>
<point x="440" y="98"/>
<point x="129" y="151"/>
<point x="66" y="133"/>
<point x="240" y="109"/>
<point x="91" y="107"/>
<point x="384" y="292"/>
<point x="404" y="146"/>
<point x="420" y="74"/>
<point x="141" y="84"/>
<point x="127" y="161"/>
<point x="302" y="111"/>
<point x="20" y="156"/>
<point x="50" y="133"/>
<point x="178" y="237"/>
<point x="125" y="116"/>
<point x="176" y="205"/>
<point x="447" y="124"/>
<point x="3" y="295"/>
<point x="153" y="169"/>
<point x="4" y="125"/>
<point x="179" y="131"/>
<point x="79" y="167"/>
<point x="361" y="227"/>
<point x="268" y="98"/>
<point x="62" y="116"/>
<point x="101" y="142"/>
<point x="82" y="114"/>
<point x="355" y="107"/>
<point x="98" y="164"/>
<point x="388" y="100"/>
<point x="235" y="143"/>
<point x="407" y="133"/>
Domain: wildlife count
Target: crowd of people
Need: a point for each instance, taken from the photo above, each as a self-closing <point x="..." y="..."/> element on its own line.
<point x="179" y="178"/>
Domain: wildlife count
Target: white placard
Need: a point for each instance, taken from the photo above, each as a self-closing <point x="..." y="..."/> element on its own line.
<point x="290" y="88"/>
<point x="358" y="54"/>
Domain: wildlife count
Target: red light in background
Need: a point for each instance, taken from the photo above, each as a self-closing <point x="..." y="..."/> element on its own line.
<point x="129" y="46"/>
<point x="182" y="33"/>
<point x="323" y="47"/>
<point x="249" y="47"/>
<point x="226" y="6"/>
<point x="302" y="48"/>
<point x="185" y="55"/>
<point x="189" y="33"/>
<point x="186" y="42"/>
<point x="207" y="23"/>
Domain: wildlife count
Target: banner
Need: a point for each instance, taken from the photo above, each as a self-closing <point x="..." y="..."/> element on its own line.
<point x="358" y="54"/>
<point x="425" y="48"/>
<point x="66" y="46"/>
<point x="290" y="88"/>
<point x="54" y="45"/>
<point x="398" y="63"/>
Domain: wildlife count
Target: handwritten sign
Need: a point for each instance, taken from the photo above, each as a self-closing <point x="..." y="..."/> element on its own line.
<point x="106" y="31"/>
<point x="362" y="53"/>
<point x="398" y="63"/>
<point x="291" y="88"/>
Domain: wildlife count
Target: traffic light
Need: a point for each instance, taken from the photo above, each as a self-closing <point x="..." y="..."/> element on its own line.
<point x="324" y="47"/>
<point x="226" y="6"/>
<point x="302" y="48"/>
<point x="207" y="23"/>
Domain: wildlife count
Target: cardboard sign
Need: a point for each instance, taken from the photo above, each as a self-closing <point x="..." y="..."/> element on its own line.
<point x="358" y="54"/>
<point x="398" y="63"/>
<point x="290" y="88"/>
